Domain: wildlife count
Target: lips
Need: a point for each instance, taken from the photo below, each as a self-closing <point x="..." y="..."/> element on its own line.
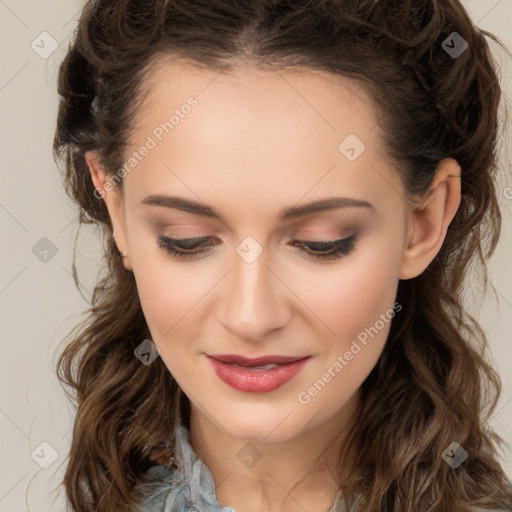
<point x="257" y="374"/>
<point x="255" y="361"/>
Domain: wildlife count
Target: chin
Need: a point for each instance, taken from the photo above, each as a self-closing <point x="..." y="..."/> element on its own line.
<point x="273" y="424"/>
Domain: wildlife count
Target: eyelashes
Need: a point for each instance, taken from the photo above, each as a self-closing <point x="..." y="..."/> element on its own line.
<point x="327" y="250"/>
<point x="182" y="248"/>
<point x="321" y="251"/>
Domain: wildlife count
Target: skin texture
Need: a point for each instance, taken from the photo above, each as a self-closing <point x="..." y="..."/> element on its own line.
<point x="257" y="143"/>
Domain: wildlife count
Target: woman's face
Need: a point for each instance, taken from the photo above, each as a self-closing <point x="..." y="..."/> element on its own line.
<point x="240" y="160"/>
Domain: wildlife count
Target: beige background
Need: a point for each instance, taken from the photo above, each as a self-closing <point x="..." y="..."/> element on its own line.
<point x="38" y="300"/>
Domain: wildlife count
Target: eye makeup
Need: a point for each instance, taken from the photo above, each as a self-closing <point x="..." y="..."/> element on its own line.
<point x="318" y="250"/>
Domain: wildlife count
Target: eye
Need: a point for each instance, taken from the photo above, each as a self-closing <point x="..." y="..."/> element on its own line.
<point x="330" y="250"/>
<point x="183" y="248"/>
<point x="190" y="247"/>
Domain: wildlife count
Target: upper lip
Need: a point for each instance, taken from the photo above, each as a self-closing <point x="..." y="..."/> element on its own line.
<point x="255" y="361"/>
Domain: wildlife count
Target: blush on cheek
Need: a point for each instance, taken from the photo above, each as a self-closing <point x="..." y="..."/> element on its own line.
<point x="350" y="306"/>
<point x="163" y="303"/>
<point x="358" y="308"/>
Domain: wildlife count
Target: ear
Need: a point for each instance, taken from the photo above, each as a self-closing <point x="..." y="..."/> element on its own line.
<point x="112" y="195"/>
<point x="429" y="221"/>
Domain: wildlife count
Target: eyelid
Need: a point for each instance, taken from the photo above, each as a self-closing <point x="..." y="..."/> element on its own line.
<point x="336" y="249"/>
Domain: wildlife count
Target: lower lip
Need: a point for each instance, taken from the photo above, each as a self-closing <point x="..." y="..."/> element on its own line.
<point x="256" y="380"/>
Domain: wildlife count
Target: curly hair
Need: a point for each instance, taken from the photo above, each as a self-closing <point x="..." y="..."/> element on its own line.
<point x="433" y="383"/>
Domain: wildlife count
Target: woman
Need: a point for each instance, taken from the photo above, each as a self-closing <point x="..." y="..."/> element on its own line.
<point x="291" y="194"/>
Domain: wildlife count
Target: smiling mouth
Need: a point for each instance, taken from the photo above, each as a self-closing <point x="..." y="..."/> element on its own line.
<point x="256" y="375"/>
<point x="270" y="366"/>
<point x="261" y="361"/>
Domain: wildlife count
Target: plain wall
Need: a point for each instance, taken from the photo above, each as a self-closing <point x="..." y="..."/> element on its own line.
<point x="38" y="299"/>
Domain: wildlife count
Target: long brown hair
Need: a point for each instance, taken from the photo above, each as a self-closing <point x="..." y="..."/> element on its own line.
<point x="433" y="384"/>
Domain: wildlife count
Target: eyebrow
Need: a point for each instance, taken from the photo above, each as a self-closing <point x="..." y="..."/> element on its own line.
<point x="196" y="208"/>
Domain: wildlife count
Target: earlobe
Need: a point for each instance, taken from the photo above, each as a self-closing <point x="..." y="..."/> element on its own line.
<point x="429" y="222"/>
<point x="113" y="202"/>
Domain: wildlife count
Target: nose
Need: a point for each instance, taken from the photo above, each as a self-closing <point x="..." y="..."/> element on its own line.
<point x="255" y="300"/>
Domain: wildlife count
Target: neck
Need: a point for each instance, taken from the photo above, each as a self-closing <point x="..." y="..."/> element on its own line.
<point x="298" y="473"/>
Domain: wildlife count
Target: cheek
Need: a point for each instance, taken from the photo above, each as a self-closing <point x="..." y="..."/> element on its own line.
<point x="168" y="298"/>
<point x="166" y="290"/>
<point x="357" y="303"/>
<point x="351" y="295"/>
<point x="174" y="299"/>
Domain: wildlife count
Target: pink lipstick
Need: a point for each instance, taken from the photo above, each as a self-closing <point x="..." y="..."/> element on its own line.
<point x="257" y="374"/>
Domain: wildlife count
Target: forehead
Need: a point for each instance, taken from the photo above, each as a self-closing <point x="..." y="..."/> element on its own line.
<point x="285" y="130"/>
<point x="327" y="102"/>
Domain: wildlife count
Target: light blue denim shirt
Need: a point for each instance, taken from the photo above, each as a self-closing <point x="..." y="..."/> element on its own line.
<point x="190" y="487"/>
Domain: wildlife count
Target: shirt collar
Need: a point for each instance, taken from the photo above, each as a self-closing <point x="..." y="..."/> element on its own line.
<point x="187" y="486"/>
